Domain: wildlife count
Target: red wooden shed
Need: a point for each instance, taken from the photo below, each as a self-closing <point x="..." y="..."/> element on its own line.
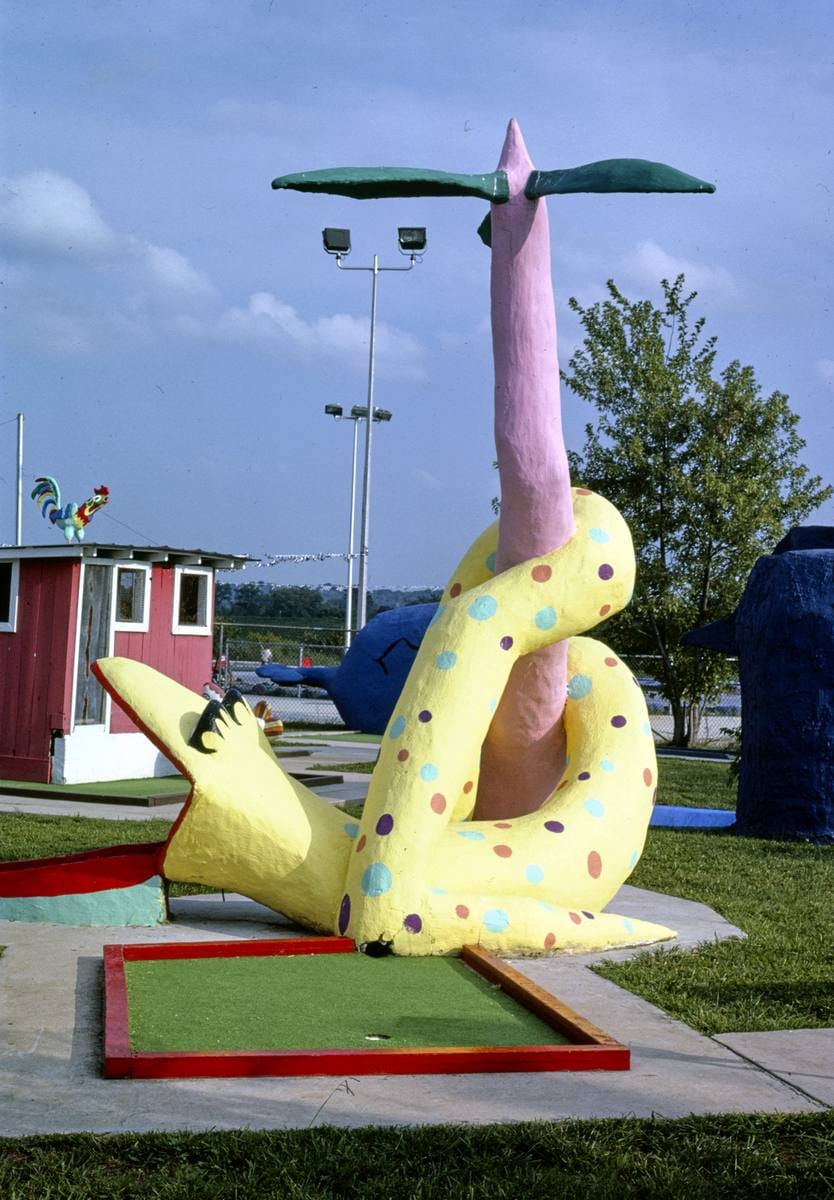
<point x="61" y="608"/>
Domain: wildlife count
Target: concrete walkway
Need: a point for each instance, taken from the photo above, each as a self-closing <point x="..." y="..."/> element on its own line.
<point x="50" y="1047"/>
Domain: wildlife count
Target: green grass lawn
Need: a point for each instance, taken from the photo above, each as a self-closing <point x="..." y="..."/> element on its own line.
<point x="782" y="975"/>
<point x="694" y="784"/>
<point x="699" y="1158"/>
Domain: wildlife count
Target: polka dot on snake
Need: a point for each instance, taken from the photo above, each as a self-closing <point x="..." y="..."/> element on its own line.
<point x="489" y="563"/>
<point x="595" y="807"/>
<point x="503" y="851"/>
<point x="351" y="829"/>
<point x="455" y="589"/>
<point x="344" y="913"/>
<point x="385" y="824"/>
<point x="424" y="716"/>
<point x="619" y="721"/>
<point x="496" y="920"/>
<point x="541" y="573"/>
<point x="360" y="845"/>
<point x="461" y="911"/>
<point x="398" y="728"/>
<point x="471" y="835"/>
<point x="583" y="776"/>
<point x="549" y="941"/>
<point x="483" y="608"/>
<point x="428" y="772"/>
<point x="438" y="803"/>
<point x="607" y="765"/>
<point x="445" y="660"/>
<point x="376" y="880"/>
<point x="467" y="787"/>
<point x="506" y="643"/>
<point x="413" y="923"/>
<point x="594" y="865"/>
<point x="647" y="729"/>
<point x="554" y="826"/>
<point x="599" y="535"/>
<point x="403" y="755"/>
<point x="575" y="917"/>
<point x="580" y="686"/>
<point x="632" y="862"/>
<point x="628" y="925"/>
<point x="611" y="662"/>
<point x="533" y="873"/>
<point x="545" y="618"/>
<point x="606" y="571"/>
<point x="605" y="610"/>
<point x="647" y="777"/>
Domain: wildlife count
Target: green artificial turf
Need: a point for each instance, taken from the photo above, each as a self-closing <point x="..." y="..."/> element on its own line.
<point x="771" y="1157"/>
<point x="162" y="786"/>
<point x="361" y="768"/>
<point x="320" y="1001"/>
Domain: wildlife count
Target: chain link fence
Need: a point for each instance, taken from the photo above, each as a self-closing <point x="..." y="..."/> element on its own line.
<point x="720" y="721"/>
<point x="239" y="652"/>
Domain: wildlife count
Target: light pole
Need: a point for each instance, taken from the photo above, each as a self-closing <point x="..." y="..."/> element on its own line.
<point x="412" y="242"/>
<point x="356" y="415"/>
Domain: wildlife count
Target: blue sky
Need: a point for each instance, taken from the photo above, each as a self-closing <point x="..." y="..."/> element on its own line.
<point x="174" y="329"/>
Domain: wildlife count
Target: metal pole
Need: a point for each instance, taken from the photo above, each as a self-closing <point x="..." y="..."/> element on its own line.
<point x="351" y="539"/>
<point x="19" y="511"/>
<point x="361" y="605"/>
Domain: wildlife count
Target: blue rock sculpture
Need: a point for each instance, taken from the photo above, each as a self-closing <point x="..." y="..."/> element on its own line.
<point x="783" y="634"/>
<point x="367" y="684"/>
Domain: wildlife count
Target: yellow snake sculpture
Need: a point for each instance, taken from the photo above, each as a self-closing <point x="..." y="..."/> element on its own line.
<point x="414" y="873"/>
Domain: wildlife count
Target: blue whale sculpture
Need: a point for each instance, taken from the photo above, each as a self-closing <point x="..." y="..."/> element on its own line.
<point x="783" y="634"/>
<point x="367" y="684"/>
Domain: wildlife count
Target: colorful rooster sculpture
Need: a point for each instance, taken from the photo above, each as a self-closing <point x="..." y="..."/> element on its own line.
<point x="73" y="519"/>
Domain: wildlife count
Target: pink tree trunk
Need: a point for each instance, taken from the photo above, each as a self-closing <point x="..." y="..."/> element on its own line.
<point x="523" y="756"/>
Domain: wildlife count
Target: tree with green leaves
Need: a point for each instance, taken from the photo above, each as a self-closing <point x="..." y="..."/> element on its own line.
<point x="704" y="467"/>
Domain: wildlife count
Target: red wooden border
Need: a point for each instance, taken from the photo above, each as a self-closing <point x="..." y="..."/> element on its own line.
<point x="592" y="1050"/>
<point x="86" y="871"/>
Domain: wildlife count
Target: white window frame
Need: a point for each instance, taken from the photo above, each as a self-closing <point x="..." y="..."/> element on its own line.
<point x="192" y="630"/>
<point x="143" y="624"/>
<point x="10" y="626"/>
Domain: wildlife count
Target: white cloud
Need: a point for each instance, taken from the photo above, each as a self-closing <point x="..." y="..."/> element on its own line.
<point x="61" y="250"/>
<point x="341" y="338"/>
<point x="172" y="272"/>
<point x="429" y="481"/>
<point x="47" y="213"/>
<point x="650" y="263"/>
<point x="825" y="369"/>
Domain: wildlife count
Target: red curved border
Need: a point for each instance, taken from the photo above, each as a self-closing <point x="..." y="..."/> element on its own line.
<point x="87" y="871"/>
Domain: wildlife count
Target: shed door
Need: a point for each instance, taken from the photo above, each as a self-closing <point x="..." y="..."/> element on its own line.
<point x="93" y="643"/>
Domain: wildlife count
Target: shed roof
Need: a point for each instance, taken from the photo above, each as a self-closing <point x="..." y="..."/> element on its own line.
<point x="109" y="552"/>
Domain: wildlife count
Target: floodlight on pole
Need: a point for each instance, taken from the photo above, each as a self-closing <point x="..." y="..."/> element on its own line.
<point x="412" y="242"/>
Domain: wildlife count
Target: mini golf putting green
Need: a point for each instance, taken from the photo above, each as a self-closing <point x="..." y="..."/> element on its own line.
<point x="315" y="1006"/>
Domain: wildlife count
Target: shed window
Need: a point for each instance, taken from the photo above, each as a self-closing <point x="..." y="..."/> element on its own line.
<point x="192" y="610"/>
<point x="132" y="598"/>
<point x="9" y="575"/>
